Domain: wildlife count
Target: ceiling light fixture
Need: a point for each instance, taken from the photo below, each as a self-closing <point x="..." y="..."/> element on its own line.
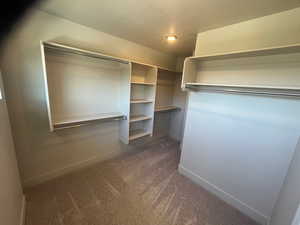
<point x="171" y="37"/>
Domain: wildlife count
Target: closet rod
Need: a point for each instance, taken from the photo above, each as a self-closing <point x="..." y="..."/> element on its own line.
<point x="265" y="91"/>
<point x="65" y="125"/>
<point x="77" y="51"/>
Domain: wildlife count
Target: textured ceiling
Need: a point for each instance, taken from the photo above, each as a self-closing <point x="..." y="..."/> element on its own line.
<point x="148" y="21"/>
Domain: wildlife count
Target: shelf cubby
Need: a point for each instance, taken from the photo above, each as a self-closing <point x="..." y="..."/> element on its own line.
<point x="142" y="95"/>
<point x="75" y="79"/>
<point x="138" y="133"/>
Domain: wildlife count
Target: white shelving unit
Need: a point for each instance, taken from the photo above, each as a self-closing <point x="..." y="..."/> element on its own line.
<point x="75" y="81"/>
<point x="143" y="87"/>
<point x="234" y="63"/>
<point x="84" y="87"/>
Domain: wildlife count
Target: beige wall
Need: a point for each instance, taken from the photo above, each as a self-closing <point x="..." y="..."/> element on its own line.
<point x="42" y="154"/>
<point x="274" y="30"/>
<point x="11" y="195"/>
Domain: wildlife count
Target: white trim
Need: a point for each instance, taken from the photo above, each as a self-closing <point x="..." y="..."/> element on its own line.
<point x="296" y="220"/>
<point x="231" y="200"/>
<point x="23" y="211"/>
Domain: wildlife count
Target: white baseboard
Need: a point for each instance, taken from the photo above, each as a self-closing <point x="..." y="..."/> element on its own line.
<point x="23" y="211"/>
<point x="231" y="200"/>
<point x="67" y="169"/>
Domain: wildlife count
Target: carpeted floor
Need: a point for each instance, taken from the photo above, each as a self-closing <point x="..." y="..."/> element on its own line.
<point x="139" y="188"/>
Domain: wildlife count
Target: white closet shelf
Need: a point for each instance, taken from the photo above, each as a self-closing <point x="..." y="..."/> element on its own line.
<point x="75" y="122"/>
<point x="136" y="118"/>
<point x="71" y="49"/>
<point x="191" y="71"/>
<point x="251" y="53"/>
<point x="166" y="108"/>
<point x="140" y="101"/>
<point x="139" y="133"/>
<point x="143" y="83"/>
<point x="74" y="50"/>
<point x="247" y="89"/>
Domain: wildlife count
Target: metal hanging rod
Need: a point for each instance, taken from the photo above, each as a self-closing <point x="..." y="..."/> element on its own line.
<point x="78" y="51"/>
<point x="73" y="124"/>
<point x="247" y="90"/>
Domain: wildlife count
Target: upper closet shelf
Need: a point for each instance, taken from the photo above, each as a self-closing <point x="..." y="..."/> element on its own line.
<point x="193" y="69"/>
<point x="70" y="49"/>
<point x="78" y="51"/>
<point x="287" y="49"/>
<point x="75" y="122"/>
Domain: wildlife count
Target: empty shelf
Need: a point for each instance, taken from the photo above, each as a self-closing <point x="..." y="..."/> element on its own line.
<point x="166" y="108"/>
<point x="135" y="134"/>
<point x="288" y="49"/>
<point x="140" y="101"/>
<point x="143" y="83"/>
<point x="74" y="122"/>
<point x="137" y="118"/>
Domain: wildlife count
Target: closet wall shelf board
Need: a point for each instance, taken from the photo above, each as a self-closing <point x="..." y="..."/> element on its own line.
<point x="143" y="83"/>
<point x="166" y="108"/>
<point x="192" y="71"/>
<point x="78" y="51"/>
<point x="139" y="133"/>
<point x="68" y="48"/>
<point x="140" y="101"/>
<point x="136" y="118"/>
<point x="287" y="49"/>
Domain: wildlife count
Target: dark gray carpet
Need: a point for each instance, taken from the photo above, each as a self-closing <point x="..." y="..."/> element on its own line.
<point x="140" y="188"/>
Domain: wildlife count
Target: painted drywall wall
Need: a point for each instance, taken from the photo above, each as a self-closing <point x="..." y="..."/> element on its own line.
<point x="240" y="147"/>
<point x="179" y="63"/>
<point x="269" y="31"/>
<point x="11" y="195"/>
<point x="289" y="198"/>
<point x="43" y="154"/>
